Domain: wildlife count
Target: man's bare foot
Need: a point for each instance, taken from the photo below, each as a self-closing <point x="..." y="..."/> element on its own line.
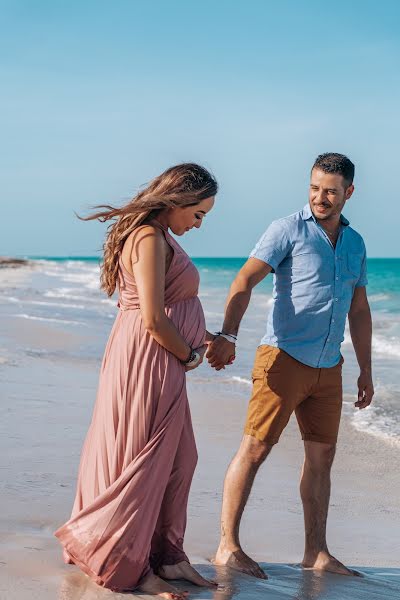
<point x="154" y="585"/>
<point x="324" y="561"/>
<point x="238" y="560"/>
<point x="184" y="570"/>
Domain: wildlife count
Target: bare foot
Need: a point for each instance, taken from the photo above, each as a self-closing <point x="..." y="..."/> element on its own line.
<point x="324" y="561"/>
<point x="154" y="585"/>
<point x="184" y="570"/>
<point x="238" y="560"/>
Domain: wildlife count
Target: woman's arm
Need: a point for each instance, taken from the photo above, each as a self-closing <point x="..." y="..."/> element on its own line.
<point x="148" y="258"/>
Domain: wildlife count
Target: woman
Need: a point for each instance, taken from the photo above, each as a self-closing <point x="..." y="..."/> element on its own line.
<point x="129" y="516"/>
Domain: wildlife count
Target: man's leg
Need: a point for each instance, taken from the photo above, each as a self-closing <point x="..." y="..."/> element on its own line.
<point x="238" y="483"/>
<point x="278" y="386"/>
<point x="315" y="489"/>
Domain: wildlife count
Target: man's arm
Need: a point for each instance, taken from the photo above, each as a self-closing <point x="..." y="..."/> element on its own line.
<point x="252" y="272"/>
<point x="360" y="323"/>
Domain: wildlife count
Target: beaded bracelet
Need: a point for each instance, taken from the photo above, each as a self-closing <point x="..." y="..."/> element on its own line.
<point x="228" y="336"/>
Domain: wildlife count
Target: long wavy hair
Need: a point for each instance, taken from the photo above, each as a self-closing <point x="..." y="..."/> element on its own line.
<point x="182" y="185"/>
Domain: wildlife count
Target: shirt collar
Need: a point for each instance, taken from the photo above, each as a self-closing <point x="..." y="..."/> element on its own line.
<point x="306" y="214"/>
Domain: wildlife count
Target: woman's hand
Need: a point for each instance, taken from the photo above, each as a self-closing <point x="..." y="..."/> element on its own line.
<point x="201" y="351"/>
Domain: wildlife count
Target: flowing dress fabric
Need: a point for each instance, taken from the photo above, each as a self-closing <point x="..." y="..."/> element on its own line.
<point x="139" y="455"/>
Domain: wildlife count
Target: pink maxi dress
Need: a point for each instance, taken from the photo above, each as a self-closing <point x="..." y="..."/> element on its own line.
<point x="139" y="455"/>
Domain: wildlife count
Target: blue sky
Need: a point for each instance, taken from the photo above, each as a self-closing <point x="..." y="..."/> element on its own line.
<point x="99" y="97"/>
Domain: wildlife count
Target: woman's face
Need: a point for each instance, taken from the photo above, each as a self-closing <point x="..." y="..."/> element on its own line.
<point x="182" y="219"/>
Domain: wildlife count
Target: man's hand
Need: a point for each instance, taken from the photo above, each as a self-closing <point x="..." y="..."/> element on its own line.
<point x="220" y="352"/>
<point x="365" y="390"/>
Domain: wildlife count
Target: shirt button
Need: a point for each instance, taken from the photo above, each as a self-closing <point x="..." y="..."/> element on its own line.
<point x="336" y="299"/>
<point x="333" y="320"/>
<point x="337" y="278"/>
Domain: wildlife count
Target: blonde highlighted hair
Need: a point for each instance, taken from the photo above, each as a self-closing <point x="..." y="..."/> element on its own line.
<point x="182" y="185"/>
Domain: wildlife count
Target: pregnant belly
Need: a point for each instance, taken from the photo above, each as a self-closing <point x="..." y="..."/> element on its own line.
<point x="188" y="318"/>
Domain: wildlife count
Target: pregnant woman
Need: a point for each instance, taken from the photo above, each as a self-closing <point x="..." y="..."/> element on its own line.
<point x="128" y="521"/>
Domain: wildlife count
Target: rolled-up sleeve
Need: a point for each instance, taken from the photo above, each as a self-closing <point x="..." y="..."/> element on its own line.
<point x="363" y="279"/>
<point x="274" y="245"/>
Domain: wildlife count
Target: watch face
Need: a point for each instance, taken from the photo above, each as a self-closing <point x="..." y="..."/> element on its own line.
<point x="193" y="359"/>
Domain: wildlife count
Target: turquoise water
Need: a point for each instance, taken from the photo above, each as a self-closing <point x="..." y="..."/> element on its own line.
<point x="383" y="276"/>
<point x="64" y="293"/>
<point x="383" y="273"/>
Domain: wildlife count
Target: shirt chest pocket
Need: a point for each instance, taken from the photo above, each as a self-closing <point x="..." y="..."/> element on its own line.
<point x="354" y="265"/>
<point x="309" y="262"/>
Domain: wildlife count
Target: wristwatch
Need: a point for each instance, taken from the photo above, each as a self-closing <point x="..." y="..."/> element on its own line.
<point x="193" y="360"/>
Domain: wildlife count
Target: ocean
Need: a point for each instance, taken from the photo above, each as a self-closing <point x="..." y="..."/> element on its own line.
<point x="64" y="294"/>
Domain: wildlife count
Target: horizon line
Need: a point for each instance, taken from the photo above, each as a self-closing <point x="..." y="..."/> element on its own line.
<point x="96" y="257"/>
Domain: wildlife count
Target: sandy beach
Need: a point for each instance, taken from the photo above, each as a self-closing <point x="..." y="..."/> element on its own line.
<point x="46" y="404"/>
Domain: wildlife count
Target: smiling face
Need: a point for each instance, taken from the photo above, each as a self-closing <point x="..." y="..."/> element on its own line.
<point x="328" y="194"/>
<point x="182" y="219"/>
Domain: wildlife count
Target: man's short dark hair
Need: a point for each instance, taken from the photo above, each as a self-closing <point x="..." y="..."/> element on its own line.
<point x="338" y="164"/>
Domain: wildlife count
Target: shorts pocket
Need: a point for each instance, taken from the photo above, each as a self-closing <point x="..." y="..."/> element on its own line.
<point x="262" y="361"/>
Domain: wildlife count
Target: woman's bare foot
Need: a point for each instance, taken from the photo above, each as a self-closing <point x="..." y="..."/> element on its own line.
<point x="156" y="586"/>
<point x="324" y="561"/>
<point x="238" y="560"/>
<point x="184" y="570"/>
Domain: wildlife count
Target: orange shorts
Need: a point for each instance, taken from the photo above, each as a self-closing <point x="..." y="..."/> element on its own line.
<point x="281" y="385"/>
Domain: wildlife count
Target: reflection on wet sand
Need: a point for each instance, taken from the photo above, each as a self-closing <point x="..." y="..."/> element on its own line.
<point x="286" y="582"/>
<point x="292" y="582"/>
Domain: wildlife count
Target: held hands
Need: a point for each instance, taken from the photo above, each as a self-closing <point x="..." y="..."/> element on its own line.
<point x="365" y="390"/>
<point x="220" y="353"/>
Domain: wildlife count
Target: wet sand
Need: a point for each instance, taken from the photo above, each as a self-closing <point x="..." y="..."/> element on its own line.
<point x="46" y="404"/>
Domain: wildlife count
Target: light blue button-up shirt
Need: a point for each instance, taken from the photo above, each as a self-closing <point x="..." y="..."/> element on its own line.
<point x="314" y="284"/>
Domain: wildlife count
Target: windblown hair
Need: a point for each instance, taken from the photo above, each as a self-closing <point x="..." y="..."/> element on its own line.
<point x="338" y="164"/>
<point x="182" y="185"/>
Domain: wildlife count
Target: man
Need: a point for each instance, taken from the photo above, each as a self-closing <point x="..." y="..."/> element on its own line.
<point x="319" y="266"/>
